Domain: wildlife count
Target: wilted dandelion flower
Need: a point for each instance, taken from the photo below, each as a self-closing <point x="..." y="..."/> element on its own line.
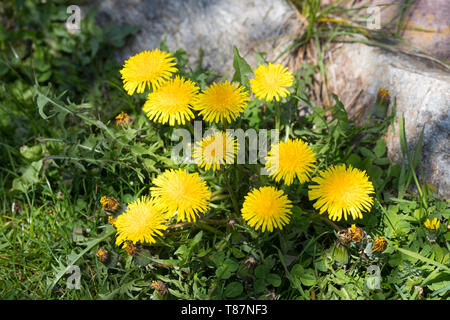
<point x="142" y="222"/>
<point x="148" y="68"/>
<point x="172" y="102"/>
<point x="130" y="248"/>
<point x="112" y="221"/>
<point x="109" y="204"/>
<point x="357" y="234"/>
<point x="432" y="225"/>
<point x="215" y="150"/>
<point x="290" y="159"/>
<point x="181" y="193"/>
<point x="345" y="235"/>
<point x="267" y="208"/>
<point x="222" y="101"/>
<point x="342" y="191"/>
<point x="380" y="244"/>
<point x="270" y="82"/>
<point x="122" y="119"/>
<point x="102" y="254"/>
<point x="160" y="287"/>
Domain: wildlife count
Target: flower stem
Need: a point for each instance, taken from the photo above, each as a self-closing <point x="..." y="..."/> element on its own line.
<point x="212" y="221"/>
<point x="191" y="127"/>
<point x="206" y="227"/>
<point x="277" y="116"/>
<point x="202" y="220"/>
<point x="335" y="226"/>
<point x="230" y="190"/>
<point x="179" y="225"/>
<point x="287" y="132"/>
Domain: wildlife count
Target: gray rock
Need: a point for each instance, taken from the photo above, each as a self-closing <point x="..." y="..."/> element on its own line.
<point x="212" y="25"/>
<point x="422" y="90"/>
<point x="425" y="26"/>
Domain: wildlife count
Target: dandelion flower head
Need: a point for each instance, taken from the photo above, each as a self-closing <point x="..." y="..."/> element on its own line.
<point x="341" y="192"/>
<point x="148" y="68"/>
<point x="267" y="208"/>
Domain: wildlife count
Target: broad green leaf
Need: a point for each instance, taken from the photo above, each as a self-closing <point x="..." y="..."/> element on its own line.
<point x="380" y="148"/>
<point x="274" y="279"/>
<point x="261" y="271"/>
<point x="306" y="276"/>
<point x="226" y="270"/>
<point x="233" y="289"/>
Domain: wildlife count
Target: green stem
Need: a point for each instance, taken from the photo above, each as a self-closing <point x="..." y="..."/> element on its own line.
<point x="277" y="116"/>
<point x="220" y="197"/>
<point x="213" y="221"/>
<point x="230" y="191"/>
<point x="191" y="127"/>
<point x="208" y="228"/>
<point x="331" y="223"/>
<point x="286" y="137"/>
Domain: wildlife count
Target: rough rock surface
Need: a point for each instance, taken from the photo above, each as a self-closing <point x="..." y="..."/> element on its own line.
<point x="212" y="25"/>
<point x="422" y="90"/>
<point x="425" y="24"/>
<point x="432" y="16"/>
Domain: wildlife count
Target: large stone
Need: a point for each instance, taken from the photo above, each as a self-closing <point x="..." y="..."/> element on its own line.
<point x="214" y="26"/>
<point x="427" y="27"/>
<point x="424" y="23"/>
<point x="422" y="91"/>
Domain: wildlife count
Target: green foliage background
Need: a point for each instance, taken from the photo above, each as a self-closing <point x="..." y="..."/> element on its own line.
<point x="59" y="94"/>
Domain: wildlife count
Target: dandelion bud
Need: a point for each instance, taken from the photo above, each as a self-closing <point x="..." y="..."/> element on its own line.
<point x="432" y="225"/>
<point x="231" y="223"/>
<point x="340" y="254"/>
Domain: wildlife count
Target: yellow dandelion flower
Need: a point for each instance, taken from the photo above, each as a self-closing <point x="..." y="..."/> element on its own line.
<point x="142" y="222"/>
<point x="271" y="81"/>
<point x="215" y="150"/>
<point x="222" y="101"/>
<point x="342" y="190"/>
<point x="181" y="193"/>
<point x="267" y="208"/>
<point x="380" y="244"/>
<point x="432" y="225"/>
<point x="383" y="94"/>
<point x="290" y="159"/>
<point x="148" y="68"/>
<point x="172" y="102"/>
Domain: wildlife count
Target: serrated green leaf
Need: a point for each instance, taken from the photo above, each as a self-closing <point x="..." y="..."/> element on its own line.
<point x="241" y="68"/>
